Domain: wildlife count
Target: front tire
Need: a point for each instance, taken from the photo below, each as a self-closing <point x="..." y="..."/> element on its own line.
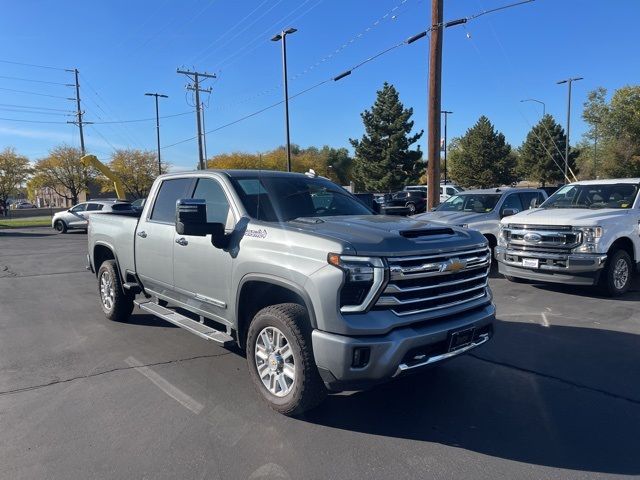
<point x="115" y="302"/>
<point x="280" y="358"/>
<point x="60" y="226"/>
<point x="617" y="275"/>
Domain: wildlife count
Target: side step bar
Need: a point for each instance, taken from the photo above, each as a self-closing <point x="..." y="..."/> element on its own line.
<point x="179" y="320"/>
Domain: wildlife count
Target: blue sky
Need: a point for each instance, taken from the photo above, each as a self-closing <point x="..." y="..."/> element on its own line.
<point x="126" y="48"/>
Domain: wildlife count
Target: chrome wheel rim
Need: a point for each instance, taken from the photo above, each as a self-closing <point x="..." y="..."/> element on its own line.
<point x="107" y="291"/>
<point x="412" y="208"/>
<point x="275" y="362"/>
<point x="620" y="274"/>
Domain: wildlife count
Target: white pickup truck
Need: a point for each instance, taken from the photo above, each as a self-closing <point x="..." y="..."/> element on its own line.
<point x="587" y="233"/>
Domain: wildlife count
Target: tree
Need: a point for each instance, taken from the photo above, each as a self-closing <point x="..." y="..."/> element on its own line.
<point x="14" y="170"/>
<point x="481" y="158"/>
<point x="136" y="169"/>
<point x="327" y="161"/>
<point x="542" y="153"/>
<point x="63" y="172"/>
<point x="383" y="158"/>
<point x="616" y="125"/>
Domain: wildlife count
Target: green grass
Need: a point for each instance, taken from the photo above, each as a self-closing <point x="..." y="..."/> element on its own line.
<point x="25" y="222"/>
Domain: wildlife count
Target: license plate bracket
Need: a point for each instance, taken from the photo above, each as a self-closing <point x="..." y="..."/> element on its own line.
<point x="461" y="338"/>
<point x="530" y="262"/>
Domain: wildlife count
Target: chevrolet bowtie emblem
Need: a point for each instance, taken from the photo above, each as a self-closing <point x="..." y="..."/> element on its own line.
<point x="454" y="265"/>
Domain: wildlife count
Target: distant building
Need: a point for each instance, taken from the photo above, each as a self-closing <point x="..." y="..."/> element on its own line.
<point x="47" y="197"/>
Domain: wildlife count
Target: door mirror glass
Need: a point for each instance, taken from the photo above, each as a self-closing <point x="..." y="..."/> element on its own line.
<point x="507" y="212"/>
<point x="191" y="219"/>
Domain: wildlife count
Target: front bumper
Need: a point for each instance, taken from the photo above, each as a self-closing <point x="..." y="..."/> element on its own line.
<point x="400" y="351"/>
<point x="574" y="269"/>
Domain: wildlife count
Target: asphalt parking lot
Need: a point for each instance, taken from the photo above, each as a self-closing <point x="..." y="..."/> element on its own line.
<point x="555" y="394"/>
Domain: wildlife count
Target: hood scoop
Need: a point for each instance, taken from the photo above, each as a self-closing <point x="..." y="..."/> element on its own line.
<point x="426" y="232"/>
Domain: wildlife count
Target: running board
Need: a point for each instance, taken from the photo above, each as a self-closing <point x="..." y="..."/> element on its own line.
<point x="192" y="326"/>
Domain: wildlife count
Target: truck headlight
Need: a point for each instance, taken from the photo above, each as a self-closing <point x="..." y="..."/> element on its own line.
<point x="590" y="238"/>
<point x="502" y="236"/>
<point x="363" y="279"/>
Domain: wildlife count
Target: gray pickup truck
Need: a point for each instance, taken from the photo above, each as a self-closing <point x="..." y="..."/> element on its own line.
<point x="321" y="293"/>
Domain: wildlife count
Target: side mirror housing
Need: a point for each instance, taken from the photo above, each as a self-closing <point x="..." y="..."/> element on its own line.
<point x="191" y="219"/>
<point x="534" y="203"/>
<point x="507" y="212"/>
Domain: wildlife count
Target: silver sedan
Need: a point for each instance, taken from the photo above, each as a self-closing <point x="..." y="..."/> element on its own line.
<point x="77" y="216"/>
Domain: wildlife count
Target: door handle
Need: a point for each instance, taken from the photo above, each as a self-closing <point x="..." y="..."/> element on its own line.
<point x="142" y="234"/>
<point x="182" y="241"/>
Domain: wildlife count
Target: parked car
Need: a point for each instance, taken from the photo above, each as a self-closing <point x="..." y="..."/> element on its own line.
<point x="77" y="217"/>
<point x="483" y="209"/>
<point x="446" y="189"/>
<point x="587" y="233"/>
<point x="406" y="202"/>
<point x="321" y="293"/>
<point x="22" y="204"/>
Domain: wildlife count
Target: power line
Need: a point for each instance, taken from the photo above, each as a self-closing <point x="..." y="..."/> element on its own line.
<point x="36" y="81"/>
<point x="36" y="108"/>
<point x="33" y="65"/>
<point x="190" y="112"/>
<point x="15" y="110"/>
<point x="35" y="93"/>
<point x="30" y="121"/>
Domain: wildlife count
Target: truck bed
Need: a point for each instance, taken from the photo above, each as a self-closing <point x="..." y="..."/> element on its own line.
<point x="115" y="230"/>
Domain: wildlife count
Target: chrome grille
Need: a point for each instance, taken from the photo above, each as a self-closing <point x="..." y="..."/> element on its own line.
<point x="542" y="238"/>
<point x="427" y="283"/>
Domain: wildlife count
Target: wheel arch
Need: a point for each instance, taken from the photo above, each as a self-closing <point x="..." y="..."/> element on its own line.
<point x="103" y="252"/>
<point x="626" y="244"/>
<point x="258" y="291"/>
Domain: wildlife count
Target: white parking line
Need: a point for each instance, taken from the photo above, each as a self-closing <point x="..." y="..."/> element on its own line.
<point x="171" y="390"/>
<point x="545" y="322"/>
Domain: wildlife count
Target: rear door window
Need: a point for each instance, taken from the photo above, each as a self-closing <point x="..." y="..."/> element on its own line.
<point x="92" y="207"/>
<point x="512" y="201"/>
<point x="171" y="190"/>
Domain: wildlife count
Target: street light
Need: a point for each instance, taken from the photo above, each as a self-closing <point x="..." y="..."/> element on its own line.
<point x="544" y="107"/>
<point x="568" y="81"/>
<point x="283" y="36"/>
<point x="445" y="113"/>
<point x="157" y="126"/>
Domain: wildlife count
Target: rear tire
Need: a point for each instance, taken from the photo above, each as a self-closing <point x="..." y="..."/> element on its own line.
<point x="515" y="279"/>
<point x="116" y="304"/>
<point x="60" y="226"/>
<point x="616" y="278"/>
<point x="279" y="348"/>
<point x="412" y="208"/>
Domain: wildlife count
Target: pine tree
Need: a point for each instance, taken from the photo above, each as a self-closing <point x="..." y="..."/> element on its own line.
<point x="542" y="153"/>
<point x="383" y="158"/>
<point x="482" y="158"/>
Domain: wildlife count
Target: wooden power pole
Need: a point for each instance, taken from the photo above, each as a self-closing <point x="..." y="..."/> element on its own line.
<point x="433" y="118"/>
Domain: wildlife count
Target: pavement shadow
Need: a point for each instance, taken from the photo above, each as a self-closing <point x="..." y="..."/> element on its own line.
<point x="633" y="295"/>
<point x="148" y="320"/>
<point x="561" y="397"/>
<point x="14" y="234"/>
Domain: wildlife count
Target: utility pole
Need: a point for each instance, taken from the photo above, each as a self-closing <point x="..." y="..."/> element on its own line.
<point x="79" y="111"/>
<point x="433" y="116"/>
<point x="568" y="81"/>
<point x="157" y="126"/>
<point x="283" y="36"/>
<point x="204" y="132"/>
<point x="595" y="150"/>
<point x="445" y="113"/>
<point x="195" y="86"/>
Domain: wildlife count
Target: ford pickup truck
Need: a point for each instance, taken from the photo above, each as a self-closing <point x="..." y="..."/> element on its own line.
<point x="321" y="293"/>
<point x="587" y="233"/>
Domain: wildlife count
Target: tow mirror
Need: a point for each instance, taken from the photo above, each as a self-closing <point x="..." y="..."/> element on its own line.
<point x="507" y="212"/>
<point x="191" y="219"/>
<point x="534" y="203"/>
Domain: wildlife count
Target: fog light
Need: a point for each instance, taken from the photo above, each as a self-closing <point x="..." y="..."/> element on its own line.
<point x="361" y="357"/>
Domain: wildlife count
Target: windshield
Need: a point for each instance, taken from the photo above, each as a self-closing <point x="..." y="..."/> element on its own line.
<point x="614" y="195"/>
<point x="470" y="202"/>
<point x="274" y="199"/>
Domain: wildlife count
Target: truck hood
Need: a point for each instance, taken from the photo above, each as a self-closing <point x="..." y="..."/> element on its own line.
<point x="385" y="235"/>
<point x="451" y="218"/>
<point x="577" y="217"/>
